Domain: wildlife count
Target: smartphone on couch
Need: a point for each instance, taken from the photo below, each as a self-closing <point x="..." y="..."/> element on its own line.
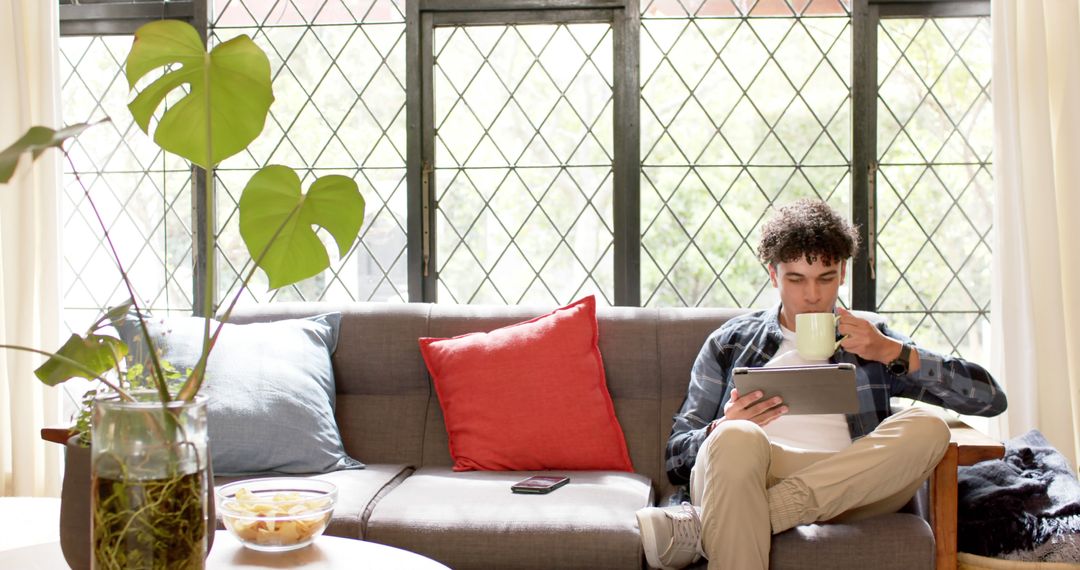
<point x="539" y="484"/>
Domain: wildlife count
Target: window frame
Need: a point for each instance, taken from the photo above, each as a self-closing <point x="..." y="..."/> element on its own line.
<point x="122" y="18"/>
<point x="866" y="16"/>
<point x="421" y="17"/>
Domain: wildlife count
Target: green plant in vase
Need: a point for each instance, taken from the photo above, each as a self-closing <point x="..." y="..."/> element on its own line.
<point x="150" y="484"/>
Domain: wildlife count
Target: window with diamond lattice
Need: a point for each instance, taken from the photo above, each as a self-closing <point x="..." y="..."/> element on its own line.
<point x="934" y="189"/>
<point x="743" y="105"/>
<point x="338" y="72"/>
<point x="523" y="162"/>
<point x="142" y="194"/>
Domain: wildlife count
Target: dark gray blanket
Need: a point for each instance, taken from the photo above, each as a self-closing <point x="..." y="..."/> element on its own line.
<point x="1019" y="502"/>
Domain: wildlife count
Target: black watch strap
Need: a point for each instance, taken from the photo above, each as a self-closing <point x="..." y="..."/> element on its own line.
<point x="899" y="366"/>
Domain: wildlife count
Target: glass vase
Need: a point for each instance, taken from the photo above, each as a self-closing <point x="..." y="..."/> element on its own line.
<point x="149" y="484"/>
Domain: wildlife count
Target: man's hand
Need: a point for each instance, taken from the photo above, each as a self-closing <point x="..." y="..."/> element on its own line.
<point x="863" y="339"/>
<point x="751" y="407"/>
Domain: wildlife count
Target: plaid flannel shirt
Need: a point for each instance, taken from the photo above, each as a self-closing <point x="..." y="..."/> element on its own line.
<point x="752" y="340"/>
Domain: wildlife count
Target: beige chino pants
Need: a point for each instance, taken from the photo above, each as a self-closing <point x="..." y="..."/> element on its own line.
<point x="749" y="488"/>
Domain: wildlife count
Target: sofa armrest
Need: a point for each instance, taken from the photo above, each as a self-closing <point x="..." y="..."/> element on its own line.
<point x="968" y="446"/>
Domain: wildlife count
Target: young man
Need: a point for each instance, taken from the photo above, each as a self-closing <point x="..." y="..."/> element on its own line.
<point x="752" y="470"/>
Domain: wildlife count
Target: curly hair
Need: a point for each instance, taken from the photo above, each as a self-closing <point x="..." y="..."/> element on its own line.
<point x="807" y="228"/>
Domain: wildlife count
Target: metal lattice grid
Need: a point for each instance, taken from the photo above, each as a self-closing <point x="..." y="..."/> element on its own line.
<point x="338" y="75"/>
<point x="523" y="163"/>
<point x="142" y="194"/>
<point x="744" y="105"/>
<point x="935" y="194"/>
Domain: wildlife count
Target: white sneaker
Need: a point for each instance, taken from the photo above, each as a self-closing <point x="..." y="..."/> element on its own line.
<point x="671" y="536"/>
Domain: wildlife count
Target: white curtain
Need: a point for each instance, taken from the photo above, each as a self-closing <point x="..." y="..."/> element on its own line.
<point x="29" y="244"/>
<point x="1036" y="287"/>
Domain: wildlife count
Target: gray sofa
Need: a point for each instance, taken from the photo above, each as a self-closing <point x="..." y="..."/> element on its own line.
<point x="409" y="497"/>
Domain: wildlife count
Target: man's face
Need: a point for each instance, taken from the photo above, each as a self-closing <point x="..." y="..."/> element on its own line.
<point x="806" y="287"/>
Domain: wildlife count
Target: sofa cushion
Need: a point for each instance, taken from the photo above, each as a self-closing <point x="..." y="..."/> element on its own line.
<point x="528" y="396"/>
<point x="357" y="490"/>
<point x="898" y="541"/>
<point x="382" y="384"/>
<point x="472" y="520"/>
<point x="270" y="388"/>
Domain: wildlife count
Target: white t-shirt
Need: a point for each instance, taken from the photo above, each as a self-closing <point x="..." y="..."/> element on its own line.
<point x="820" y="432"/>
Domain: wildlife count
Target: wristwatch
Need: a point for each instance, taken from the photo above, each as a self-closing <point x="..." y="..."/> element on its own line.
<point x="899" y="365"/>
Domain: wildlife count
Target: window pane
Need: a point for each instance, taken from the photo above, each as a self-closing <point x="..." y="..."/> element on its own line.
<point x="744" y="105"/>
<point x="142" y="195"/>
<point x="934" y="184"/>
<point x="339" y="84"/>
<point x="523" y="163"/>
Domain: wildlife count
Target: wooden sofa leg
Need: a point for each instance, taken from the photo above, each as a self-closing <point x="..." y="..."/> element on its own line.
<point x="943" y="507"/>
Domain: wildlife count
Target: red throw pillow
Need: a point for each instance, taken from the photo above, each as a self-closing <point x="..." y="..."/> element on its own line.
<point x="529" y="396"/>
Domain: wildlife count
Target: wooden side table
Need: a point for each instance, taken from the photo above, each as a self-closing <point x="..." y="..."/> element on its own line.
<point x="968" y="446"/>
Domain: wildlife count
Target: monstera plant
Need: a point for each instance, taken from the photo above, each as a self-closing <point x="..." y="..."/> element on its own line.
<point x="150" y="477"/>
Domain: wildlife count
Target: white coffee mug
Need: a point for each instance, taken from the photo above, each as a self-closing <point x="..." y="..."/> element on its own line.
<point x="815" y="335"/>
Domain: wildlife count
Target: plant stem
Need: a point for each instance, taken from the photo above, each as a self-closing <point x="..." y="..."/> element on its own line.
<point x="159" y="376"/>
<point x="194" y="382"/>
<point x="190" y="388"/>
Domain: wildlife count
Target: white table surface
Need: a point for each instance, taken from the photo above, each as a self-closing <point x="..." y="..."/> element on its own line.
<point x="327" y="553"/>
<point x="26" y="521"/>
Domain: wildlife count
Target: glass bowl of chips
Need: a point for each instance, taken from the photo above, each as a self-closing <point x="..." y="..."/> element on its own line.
<point x="278" y="513"/>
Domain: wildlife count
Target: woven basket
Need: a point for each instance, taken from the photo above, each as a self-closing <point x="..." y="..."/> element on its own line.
<point x="967" y="561"/>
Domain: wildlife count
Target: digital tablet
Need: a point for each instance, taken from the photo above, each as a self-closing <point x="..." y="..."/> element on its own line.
<point x="811" y="389"/>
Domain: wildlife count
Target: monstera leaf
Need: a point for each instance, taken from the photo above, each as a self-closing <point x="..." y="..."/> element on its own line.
<point x="233" y="107"/>
<point x="274" y="212"/>
<point x="35" y="141"/>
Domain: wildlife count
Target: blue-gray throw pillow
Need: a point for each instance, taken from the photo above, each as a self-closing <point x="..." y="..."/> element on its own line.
<point x="270" y="390"/>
